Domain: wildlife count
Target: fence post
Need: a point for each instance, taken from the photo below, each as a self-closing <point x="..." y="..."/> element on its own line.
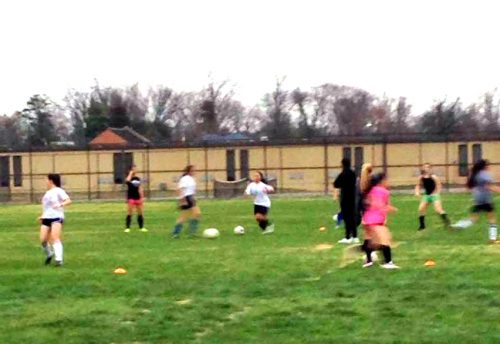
<point x="148" y="173"/>
<point x="98" y="174"/>
<point x="280" y="182"/>
<point x="325" y="157"/>
<point x="265" y="157"/>
<point x="384" y="153"/>
<point x="206" y="171"/>
<point x="31" y="176"/>
<point x="447" y="166"/>
<point x="89" y="176"/>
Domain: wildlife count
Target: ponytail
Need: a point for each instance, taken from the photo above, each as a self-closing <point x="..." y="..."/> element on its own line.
<point x="478" y="167"/>
<point x="375" y="180"/>
<point x="187" y="170"/>
<point x="364" y="180"/>
<point x="262" y="178"/>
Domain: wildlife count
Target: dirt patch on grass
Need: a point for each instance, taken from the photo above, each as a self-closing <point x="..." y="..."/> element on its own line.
<point x="322" y="247"/>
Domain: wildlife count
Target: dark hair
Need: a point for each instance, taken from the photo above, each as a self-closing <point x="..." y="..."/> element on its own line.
<point x="187" y="170"/>
<point x="262" y="178"/>
<point x="375" y="180"/>
<point x="346" y="163"/>
<point x="478" y="167"/>
<point x="55" y="179"/>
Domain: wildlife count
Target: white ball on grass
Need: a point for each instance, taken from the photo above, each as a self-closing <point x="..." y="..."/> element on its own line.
<point x="239" y="230"/>
<point x="211" y="233"/>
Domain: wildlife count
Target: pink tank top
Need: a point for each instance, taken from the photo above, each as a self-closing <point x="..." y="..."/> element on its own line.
<point x="376" y="208"/>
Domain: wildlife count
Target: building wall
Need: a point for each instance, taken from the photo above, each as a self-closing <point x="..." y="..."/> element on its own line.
<point x="306" y="168"/>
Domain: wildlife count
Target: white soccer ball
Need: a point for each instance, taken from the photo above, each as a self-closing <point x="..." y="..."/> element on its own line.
<point x="239" y="230"/>
<point x="335" y="217"/>
<point x="211" y="233"/>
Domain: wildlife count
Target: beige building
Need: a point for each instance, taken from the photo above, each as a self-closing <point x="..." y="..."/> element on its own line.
<point x="306" y="167"/>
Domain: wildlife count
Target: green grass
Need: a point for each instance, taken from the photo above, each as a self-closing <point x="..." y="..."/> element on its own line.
<point x="248" y="289"/>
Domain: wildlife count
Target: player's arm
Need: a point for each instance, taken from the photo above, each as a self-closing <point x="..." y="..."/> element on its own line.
<point x="335" y="194"/>
<point x="269" y="189"/>
<point x="248" y="190"/>
<point x="141" y="192"/>
<point x="65" y="202"/>
<point x="439" y="185"/>
<point x="418" y="186"/>
<point x="494" y="188"/>
<point x="130" y="174"/>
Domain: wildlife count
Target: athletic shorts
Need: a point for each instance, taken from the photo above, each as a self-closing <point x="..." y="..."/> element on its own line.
<point x="134" y="201"/>
<point x="483" y="208"/>
<point x="431" y="198"/>
<point x="187" y="203"/>
<point x="260" y="209"/>
<point x="49" y="222"/>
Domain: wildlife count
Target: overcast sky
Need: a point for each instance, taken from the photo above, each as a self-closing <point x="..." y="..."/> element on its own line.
<point x="420" y="49"/>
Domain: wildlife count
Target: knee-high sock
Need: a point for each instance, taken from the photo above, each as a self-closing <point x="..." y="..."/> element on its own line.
<point x="263" y="224"/>
<point x="386" y="250"/>
<point x="421" y="219"/>
<point x="128" y="221"/>
<point x="140" y="221"/>
<point x="493" y="231"/>
<point x="366" y="247"/>
<point x="177" y="229"/>
<point x="58" y="250"/>
<point x="445" y="218"/>
<point x="47" y="249"/>
<point x="193" y="225"/>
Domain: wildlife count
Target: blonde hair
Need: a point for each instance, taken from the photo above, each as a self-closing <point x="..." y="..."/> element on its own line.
<point x="364" y="180"/>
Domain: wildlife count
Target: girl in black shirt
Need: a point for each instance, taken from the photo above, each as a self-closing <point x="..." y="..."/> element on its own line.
<point x="135" y="199"/>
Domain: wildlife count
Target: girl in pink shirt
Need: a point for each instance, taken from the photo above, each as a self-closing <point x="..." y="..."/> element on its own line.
<point x="377" y="206"/>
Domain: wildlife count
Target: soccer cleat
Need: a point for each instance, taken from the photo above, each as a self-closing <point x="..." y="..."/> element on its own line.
<point x="58" y="263"/>
<point x="389" y="265"/>
<point x="354" y="241"/>
<point x="345" y="241"/>
<point x="127" y="230"/>
<point x="48" y="259"/>
<point x="368" y="264"/>
<point x="269" y="229"/>
<point x="421" y="228"/>
<point x="175" y="236"/>
<point x="144" y="230"/>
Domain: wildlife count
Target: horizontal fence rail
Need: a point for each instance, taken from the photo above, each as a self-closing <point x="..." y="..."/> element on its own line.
<point x="298" y="167"/>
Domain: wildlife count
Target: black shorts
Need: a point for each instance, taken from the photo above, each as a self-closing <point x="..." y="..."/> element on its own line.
<point x="260" y="209"/>
<point x="188" y="202"/>
<point x="49" y="222"/>
<point x="483" y="208"/>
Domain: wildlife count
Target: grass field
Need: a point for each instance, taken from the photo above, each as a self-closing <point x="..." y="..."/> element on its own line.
<point x="251" y="289"/>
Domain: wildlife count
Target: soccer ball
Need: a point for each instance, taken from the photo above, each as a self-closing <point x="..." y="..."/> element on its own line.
<point x="211" y="233"/>
<point x="239" y="230"/>
<point x="335" y="218"/>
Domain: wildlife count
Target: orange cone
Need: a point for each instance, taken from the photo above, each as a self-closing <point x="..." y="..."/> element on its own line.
<point x="430" y="263"/>
<point x="120" y="271"/>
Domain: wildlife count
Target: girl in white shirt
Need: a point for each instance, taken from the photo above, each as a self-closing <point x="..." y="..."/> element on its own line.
<point x="260" y="190"/>
<point x="186" y="191"/>
<point x="52" y="219"/>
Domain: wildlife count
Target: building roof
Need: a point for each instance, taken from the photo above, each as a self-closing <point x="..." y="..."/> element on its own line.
<point x="119" y="136"/>
<point x="215" y="138"/>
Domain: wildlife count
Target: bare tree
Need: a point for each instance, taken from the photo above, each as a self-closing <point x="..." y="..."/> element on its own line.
<point x="352" y="110"/>
<point x="277" y="109"/>
<point x="490" y="112"/>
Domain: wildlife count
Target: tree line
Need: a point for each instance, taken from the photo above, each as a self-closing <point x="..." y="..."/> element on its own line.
<point x="164" y="115"/>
